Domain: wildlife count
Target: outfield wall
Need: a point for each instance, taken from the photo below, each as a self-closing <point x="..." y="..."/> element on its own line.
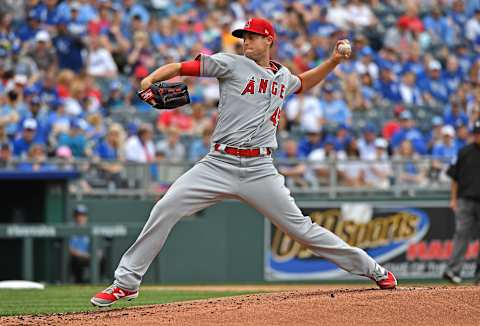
<point x="231" y="242"/>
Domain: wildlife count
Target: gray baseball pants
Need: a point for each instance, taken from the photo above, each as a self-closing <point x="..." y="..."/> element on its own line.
<point x="467" y="217"/>
<point x="253" y="180"/>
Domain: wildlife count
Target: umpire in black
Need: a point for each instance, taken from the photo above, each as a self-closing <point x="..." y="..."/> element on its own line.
<point x="465" y="202"/>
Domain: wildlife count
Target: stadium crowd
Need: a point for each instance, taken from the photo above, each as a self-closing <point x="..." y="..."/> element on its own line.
<point x="70" y="71"/>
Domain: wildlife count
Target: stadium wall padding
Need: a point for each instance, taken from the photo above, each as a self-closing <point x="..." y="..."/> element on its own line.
<point x="223" y="243"/>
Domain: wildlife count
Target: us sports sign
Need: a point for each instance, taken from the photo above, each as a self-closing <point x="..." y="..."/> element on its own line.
<point x="412" y="242"/>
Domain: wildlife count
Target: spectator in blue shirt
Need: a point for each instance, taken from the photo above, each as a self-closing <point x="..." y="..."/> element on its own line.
<point x="65" y="8"/>
<point x="79" y="247"/>
<point x="434" y="136"/>
<point x="165" y="37"/>
<point x="29" y="28"/>
<point x="342" y="137"/>
<point x="411" y="173"/>
<point x="109" y="148"/>
<point x="335" y="110"/>
<point x="453" y="74"/>
<point x="110" y="152"/>
<point x="268" y="8"/>
<point x="471" y="7"/>
<point x="132" y="21"/>
<point x="366" y="143"/>
<point x="58" y="120"/>
<point x="200" y="147"/>
<point x="36" y="160"/>
<point x="77" y="25"/>
<point x="116" y="97"/>
<point x="69" y="48"/>
<point x="459" y="18"/>
<point x="47" y="89"/>
<point x="433" y="86"/>
<point x="446" y="151"/>
<point x="52" y="13"/>
<point x="387" y="86"/>
<point x="414" y="62"/>
<point x="472" y="30"/>
<point x="135" y="9"/>
<point x="36" y="112"/>
<point x="190" y="37"/>
<point x="35" y="7"/>
<point x="388" y="58"/>
<point x="312" y="140"/>
<point x="86" y="11"/>
<point x="444" y="154"/>
<point x="409" y="91"/>
<point x="75" y="139"/>
<point x="464" y="56"/>
<point x="22" y="144"/>
<point x="368" y="91"/>
<point x="366" y="64"/>
<point x="289" y="167"/>
<point x="438" y="27"/>
<point x="410" y="133"/>
<point x="321" y="26"/>
<point x="454" y="115"/>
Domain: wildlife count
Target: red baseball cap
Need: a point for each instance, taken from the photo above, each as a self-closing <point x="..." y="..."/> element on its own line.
<point x="256" y="25"/>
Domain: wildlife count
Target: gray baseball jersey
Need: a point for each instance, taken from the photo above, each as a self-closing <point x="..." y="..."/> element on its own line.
<point x="251" y="97"/>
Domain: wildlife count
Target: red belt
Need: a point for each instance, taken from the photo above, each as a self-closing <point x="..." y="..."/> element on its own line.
<point x="245" y="152"/>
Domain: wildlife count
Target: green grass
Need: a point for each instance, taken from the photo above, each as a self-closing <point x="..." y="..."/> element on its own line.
<point x="61" y="299"/>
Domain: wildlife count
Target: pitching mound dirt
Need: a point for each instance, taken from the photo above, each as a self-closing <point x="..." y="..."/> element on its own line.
<point x="333" y="306"/>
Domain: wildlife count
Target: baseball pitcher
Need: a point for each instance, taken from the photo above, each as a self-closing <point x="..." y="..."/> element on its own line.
<point x="253" y="89"/>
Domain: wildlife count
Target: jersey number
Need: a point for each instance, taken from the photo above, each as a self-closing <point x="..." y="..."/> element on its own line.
<point x="275" y="118"/>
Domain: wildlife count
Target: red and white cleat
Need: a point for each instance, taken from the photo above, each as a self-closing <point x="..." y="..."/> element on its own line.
<point x="389" y="282"/>
<point x="112" y="294"/>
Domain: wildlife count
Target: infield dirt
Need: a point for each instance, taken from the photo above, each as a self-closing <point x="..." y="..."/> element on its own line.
<point x="295" y="305"/>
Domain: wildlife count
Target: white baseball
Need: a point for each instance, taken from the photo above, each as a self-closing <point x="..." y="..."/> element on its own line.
<point x="344" y="48"/>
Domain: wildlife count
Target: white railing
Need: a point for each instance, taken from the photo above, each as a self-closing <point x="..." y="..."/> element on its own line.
<point x="393" y="177"/>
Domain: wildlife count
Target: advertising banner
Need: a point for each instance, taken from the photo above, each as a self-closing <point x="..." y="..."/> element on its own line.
<point x="412" y="242"/>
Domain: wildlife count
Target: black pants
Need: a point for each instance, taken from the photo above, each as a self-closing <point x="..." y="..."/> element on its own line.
<point x="79" y="268"/>
<point x="467" y="221"/>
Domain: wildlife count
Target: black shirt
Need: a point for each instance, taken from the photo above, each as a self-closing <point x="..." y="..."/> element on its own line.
<point x="466" y="172"/>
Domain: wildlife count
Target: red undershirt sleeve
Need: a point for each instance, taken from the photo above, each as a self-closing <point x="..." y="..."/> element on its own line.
<point x="190" y="68"/>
